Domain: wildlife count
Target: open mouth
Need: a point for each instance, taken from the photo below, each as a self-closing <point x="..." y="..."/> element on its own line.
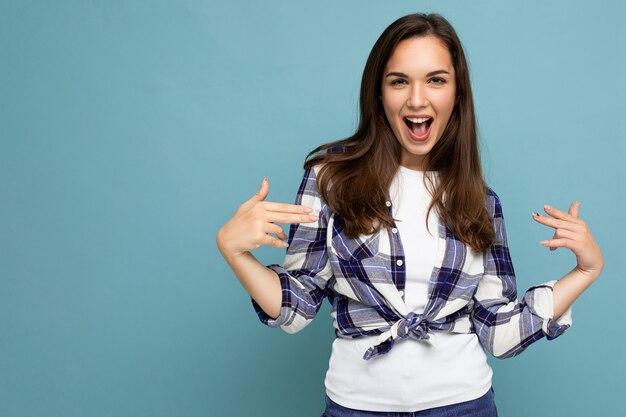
<point x="418" y="125"/>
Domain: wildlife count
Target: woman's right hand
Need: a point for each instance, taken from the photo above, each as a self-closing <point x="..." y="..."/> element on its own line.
<point x="250" y="226"/>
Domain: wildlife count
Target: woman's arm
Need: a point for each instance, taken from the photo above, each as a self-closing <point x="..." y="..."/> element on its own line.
<point x="504" y="324"/>
<point x="572" y="233"/>
<point x="291" y="294"/>
<point x="249" y="228"/>
<point x="261" y="282"/>
<point x="568" y="288"/>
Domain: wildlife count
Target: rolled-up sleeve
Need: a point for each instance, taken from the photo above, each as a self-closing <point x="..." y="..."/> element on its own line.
<point x="306" y="269"/>
<point x="505" y="325"/>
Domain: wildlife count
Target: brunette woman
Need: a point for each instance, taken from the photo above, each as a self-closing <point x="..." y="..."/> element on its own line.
<point x="397" y="227"/>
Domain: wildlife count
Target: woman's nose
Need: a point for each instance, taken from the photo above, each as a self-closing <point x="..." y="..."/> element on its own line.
<point x="417" y="97"/>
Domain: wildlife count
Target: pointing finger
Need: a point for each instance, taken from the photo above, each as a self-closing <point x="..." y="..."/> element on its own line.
<point x="287" y="218"/>
<point x="555" y="223"/>
<point x="286" y="208"/>
<point x="559" y="214"/>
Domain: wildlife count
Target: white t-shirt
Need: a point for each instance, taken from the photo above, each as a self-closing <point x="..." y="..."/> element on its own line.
<point x="414" y="375"/>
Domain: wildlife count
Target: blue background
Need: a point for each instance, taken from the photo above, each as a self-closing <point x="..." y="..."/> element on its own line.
<point x="131" y="131"/>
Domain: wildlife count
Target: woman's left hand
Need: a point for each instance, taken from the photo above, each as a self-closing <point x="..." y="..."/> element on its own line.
<point x="573" y="233"/>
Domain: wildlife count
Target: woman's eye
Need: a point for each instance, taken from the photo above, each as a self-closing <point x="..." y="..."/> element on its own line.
<point x="398" y="81"/>
<point x="438" y="80"/>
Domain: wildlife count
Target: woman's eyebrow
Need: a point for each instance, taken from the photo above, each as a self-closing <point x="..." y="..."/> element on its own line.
<point x="401" y="74"/>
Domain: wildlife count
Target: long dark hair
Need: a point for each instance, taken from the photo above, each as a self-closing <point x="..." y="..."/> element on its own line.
<point x="357" y="171"/>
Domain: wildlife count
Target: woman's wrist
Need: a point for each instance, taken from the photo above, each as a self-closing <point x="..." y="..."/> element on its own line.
<point x="589" y="275"/>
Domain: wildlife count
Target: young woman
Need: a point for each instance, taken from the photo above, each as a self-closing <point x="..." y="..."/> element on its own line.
<point x="414" y="315"/>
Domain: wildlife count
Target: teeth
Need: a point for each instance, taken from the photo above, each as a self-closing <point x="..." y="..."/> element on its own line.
<point x="418" y="119"/>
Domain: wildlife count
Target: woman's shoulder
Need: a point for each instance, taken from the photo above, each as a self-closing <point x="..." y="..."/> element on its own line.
<point x="333" y="149"/>
<point x="491" y="194"/>
<point x="493" y="202"/>
<point x="311" y="176"/>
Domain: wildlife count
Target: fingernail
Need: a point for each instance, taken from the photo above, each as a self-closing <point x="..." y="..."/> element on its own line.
<point x="543" y="243"/>
<point x="578" y="201"/>
<point x="535" y="214"/>
<point x="265" y="179"/>
<point x="547" y="207"/>
<point x="308" y="209"/>
<point x="313" y="218"/>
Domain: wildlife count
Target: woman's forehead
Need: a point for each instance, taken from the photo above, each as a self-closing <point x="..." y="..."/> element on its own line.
<point x="420" y="56"/>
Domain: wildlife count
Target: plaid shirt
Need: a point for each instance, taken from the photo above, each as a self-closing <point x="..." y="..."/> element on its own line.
<point x="364" y="280"/>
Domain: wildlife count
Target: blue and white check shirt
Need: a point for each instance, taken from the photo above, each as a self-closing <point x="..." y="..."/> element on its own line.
<point x="364" y="280"/>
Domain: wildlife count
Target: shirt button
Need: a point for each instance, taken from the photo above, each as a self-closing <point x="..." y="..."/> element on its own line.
<point x="394" y="230"/>
<point x="401" y="292"/>
<point x="399" y="262"/>
<point x="388" y="203"/>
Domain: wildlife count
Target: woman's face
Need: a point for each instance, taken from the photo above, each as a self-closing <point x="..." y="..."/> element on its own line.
<point x="418" y="83"/>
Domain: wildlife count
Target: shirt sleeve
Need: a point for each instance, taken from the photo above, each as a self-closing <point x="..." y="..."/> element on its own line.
<point x="506" y="326"/>
<point x="306" y="269"/>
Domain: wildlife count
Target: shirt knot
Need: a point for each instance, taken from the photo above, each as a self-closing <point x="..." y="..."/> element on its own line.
<point x="414" y="326"/>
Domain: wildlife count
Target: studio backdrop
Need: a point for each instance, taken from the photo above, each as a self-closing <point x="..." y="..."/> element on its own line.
<point x="131" y="131"/>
